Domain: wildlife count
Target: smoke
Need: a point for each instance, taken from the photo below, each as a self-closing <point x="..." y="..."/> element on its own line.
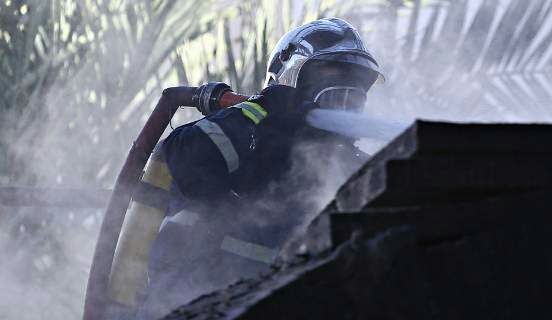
<point x="72" y="134"/>
<point x="45" y="254"/>
<point x="44" y="262"/>
<point x="256" y="225"/>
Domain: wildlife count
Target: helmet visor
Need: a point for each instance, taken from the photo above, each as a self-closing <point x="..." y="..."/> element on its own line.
<point x="358" y="58"/>
<point x="335" y="84"/>
<point x="341" y="98"/>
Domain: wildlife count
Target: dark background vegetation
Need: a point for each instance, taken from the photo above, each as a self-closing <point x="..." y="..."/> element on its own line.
<point x="78" y="79"/>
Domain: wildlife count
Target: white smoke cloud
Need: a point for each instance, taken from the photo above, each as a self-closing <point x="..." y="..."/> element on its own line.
<point x="39" y="284"/>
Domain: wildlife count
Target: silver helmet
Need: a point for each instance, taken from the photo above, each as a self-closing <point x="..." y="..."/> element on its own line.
<point x="328" y="61"/>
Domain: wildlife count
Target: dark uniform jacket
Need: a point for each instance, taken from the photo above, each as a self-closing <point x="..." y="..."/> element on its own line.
<point x="243" y="182"/>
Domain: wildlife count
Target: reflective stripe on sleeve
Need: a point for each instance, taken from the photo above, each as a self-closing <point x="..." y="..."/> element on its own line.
<point x="253" y="111"/>
<point x="223" y="143"/>
<point x="249" y="250"/>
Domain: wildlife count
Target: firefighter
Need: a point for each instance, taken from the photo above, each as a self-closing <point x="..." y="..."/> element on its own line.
<point x="244" y="177"/>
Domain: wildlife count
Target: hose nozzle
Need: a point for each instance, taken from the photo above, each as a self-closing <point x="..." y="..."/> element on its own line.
<point x="214" y="96"/>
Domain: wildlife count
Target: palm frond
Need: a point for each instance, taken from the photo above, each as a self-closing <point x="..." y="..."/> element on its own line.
<point x="468" y="68"/>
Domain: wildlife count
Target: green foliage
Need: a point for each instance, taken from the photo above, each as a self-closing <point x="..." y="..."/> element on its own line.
<point x="488" y="61"/>
<point x="70" y="64"/>
<point x="78" y="78"/>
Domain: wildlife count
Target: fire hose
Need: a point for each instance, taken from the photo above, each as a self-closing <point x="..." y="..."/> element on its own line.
<point x="206" y="98"/>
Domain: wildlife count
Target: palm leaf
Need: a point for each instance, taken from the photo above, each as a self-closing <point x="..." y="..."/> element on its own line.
<point x="489" y="66"/>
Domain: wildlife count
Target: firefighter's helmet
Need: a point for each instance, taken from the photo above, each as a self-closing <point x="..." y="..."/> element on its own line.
<point x="327" y="59"/>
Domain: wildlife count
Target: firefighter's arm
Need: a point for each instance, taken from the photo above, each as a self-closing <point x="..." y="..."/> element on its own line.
<point x="203" y="155"/>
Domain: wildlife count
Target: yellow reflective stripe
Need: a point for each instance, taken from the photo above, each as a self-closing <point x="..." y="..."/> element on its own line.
<point x="253" y="111"/>
<point x="251" y="116"/>
<point x="157" y="173"/>
<point x="257" y="107"/>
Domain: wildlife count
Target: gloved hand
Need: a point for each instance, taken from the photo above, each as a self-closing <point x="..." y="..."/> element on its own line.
<point x="283" y="102"/>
